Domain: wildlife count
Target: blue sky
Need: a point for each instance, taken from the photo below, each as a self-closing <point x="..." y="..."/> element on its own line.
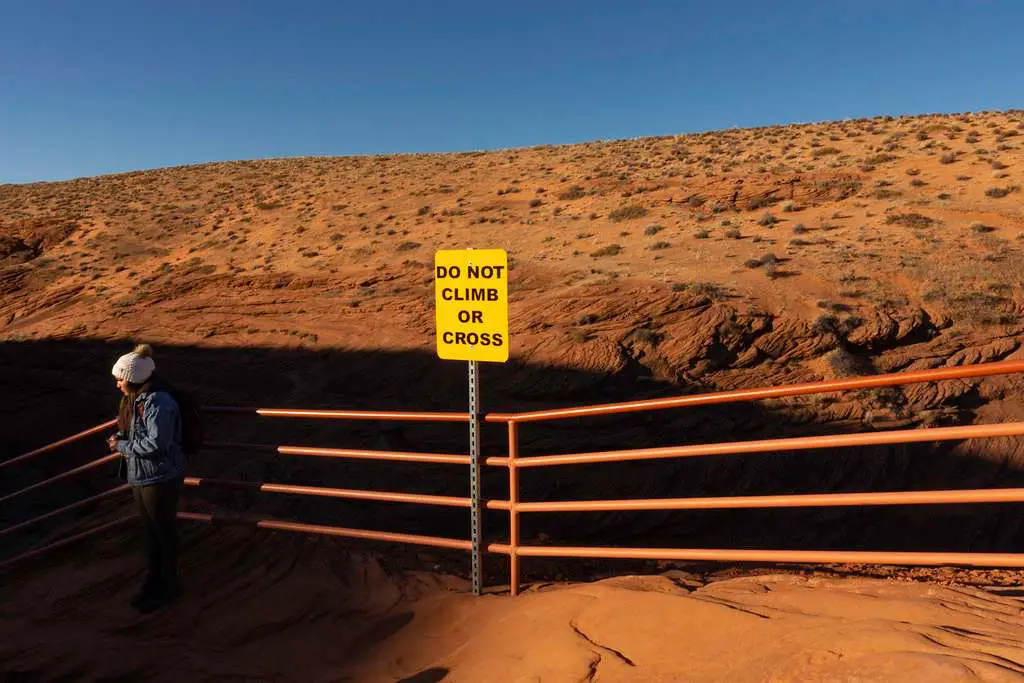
<point x="97" y="87"/>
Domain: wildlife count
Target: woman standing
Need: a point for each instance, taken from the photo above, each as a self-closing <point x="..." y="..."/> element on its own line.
<point x="150" y="439"/>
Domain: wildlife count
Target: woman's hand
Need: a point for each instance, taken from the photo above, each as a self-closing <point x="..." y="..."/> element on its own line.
<point x="112" y="443"/>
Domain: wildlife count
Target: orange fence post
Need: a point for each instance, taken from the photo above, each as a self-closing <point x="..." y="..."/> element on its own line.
<point x="513" y="512"/>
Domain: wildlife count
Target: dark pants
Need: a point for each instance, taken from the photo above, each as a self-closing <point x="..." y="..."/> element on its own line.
<point x="158" y="508"/>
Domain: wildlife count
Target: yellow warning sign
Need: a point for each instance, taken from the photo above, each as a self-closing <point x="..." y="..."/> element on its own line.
<point x="471" y="304"/>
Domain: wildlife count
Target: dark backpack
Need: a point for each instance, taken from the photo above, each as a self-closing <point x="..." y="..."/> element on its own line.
<point x="192" y="417"/>
<point x="191" y="420"/>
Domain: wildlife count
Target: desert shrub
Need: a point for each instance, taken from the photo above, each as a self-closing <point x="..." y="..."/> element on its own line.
<point x="657" y="246"/>
<point x="574" y="192"/>
<point x="648" y="336"/>
<point x="833" y="306"/>
<point x="1000" y="192"/>
<point x="767" y="220"/>
<point x="826" y="325"/>
<point x="708" y="289"/>
<point x="909" y="220"/>
<point x="628" y="212"/>
<point x="768" y="259"/>
<point x="609" y="250"/>
<point x="733" y="233"/>
<point x="653" y="229"/>
<point x="580" y="336"/>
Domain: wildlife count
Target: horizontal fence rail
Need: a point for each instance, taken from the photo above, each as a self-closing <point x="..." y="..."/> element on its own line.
<point x="384" y="415"/>
<point x="349" y="453"/>
<point x="62" y="476"/>
<point x="67" y="508"/>
<point x="781" y="556"/>
<point x="59" y="444"/>
<point x="68" y="540"/>
<point x="873" y="382"/>
<point x="322" y="530"/>
<point x="323" y="491"/>
<point x="774" y="445"/>
<point x="960" y="496"/>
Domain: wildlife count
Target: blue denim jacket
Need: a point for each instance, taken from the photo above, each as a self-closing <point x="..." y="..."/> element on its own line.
<point x="152" y="450"/>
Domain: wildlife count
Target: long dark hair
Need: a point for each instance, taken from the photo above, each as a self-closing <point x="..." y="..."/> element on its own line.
<point x="127" y="406"/>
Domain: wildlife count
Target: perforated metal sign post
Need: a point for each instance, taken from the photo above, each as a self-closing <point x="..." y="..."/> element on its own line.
<point x="471" y="310"/>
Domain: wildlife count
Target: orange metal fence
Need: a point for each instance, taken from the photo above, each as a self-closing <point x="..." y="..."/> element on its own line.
<point x="513" y="462"/>
<point x="264" y="487"/>
<point x="514" y="549"/>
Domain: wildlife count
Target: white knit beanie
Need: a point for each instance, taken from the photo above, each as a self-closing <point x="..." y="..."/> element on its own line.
<point x="135" y="367"/>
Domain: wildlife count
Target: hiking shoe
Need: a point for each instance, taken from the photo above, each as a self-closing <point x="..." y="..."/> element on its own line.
<point x="146" y="601"/>
<point x="150" y="599"/>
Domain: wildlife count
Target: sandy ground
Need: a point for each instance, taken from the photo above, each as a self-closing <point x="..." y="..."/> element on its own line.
<point x="283" y="608"/>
